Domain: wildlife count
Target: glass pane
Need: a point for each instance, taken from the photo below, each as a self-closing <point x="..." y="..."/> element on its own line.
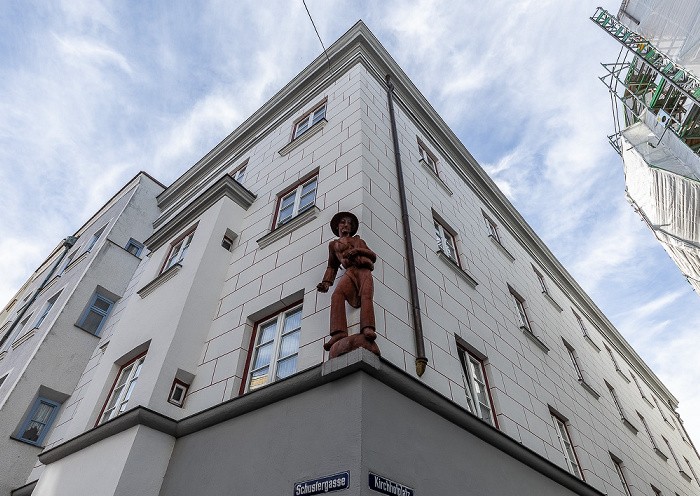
<point x="301" y="127"/>
<point x="449" y="246"/>
<point x="308" y="187"/>
<point x="92" y="321"/>
<point x="128" y="393"/>
<point x="268" y="333"/>
<point x="259" y="378"/>
<point x="43" y="413"/>
<point x="33" y="431"/>
<point x="262" y="359"/>
<point x="113" y="400"/>
<point x="102" y="304"/>
<point x="438" y="236"/>
<point x="290" y="344"/>
<point x="292" y="321"/>
<point x="319" y="114"/>
<point x="287" y="367"/>
<point x="286" y="214"/>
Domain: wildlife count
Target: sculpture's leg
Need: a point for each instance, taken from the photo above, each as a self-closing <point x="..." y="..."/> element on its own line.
<point x="366" y="290"/>
<point x="339" y="321"/>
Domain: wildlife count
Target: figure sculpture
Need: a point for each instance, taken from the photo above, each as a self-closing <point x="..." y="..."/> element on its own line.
<point x="356" y="286"/>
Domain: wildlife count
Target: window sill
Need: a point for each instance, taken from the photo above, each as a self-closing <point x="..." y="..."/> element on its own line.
<point x="534" y="339"/>
<point x="294" y="224"/>
<point x="89" y="332"/>
<point x="661" y="454"/>
<point x="302" y="137"/>
<point x="23" y="338"/>
<point x="458" y="270"/>
<point x="437" y="178"/>
<point x="685" y="475"/>
<point x="502" y="248"/>
<point x="158" y="281"/>
<point x="623" y="376"/>
<point x="629" y="425"/>
<point x="590" y="341"/>
<point x="551" y="300"/>
<point x="24" y="441"/>
<point x="588" y="388"/>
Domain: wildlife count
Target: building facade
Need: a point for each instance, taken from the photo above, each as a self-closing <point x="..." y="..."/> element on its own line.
<point x="210" y="375"/>
<point x="656" y="103"/>
<point x="52" y="325"/>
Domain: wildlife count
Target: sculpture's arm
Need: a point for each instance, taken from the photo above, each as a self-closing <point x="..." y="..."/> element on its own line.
<point x="362" y="251"/>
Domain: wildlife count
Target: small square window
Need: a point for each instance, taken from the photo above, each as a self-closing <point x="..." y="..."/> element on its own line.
<point x="134" y="247"/>
<point x="96" y="314"/>
<point x="308" y="120"/>
<point x="178" y="392"/>
<point x="274" y="355"/>
<point x="38" y="422"/>
<point x="227" y="243"/>
<point x="296" y="200"/>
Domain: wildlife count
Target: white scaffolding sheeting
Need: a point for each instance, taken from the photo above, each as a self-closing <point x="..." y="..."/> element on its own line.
<point x="663" y="184"/>
<point x="673" y="26"/>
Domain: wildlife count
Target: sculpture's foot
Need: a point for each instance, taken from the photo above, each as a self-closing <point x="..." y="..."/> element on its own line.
<point x="335" y="337"/>
<point x="349" y="343"/>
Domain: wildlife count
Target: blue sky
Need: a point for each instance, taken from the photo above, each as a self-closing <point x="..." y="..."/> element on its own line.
<point x="92" y="92"/>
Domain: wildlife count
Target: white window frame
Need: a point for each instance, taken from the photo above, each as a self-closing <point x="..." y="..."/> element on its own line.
<point x="522" y="312"/>
<point x="543" y="283"/>
<point x="616" y="400"/>
<point x="182" y="388"/>
<point x="310" y="119"/>
<point x="178" y="249"/>
<point x="621" y="475"/>
<point x="474" y="376"/>
<point x="574" y="361"/>
<point x="296" y="194"/>
<point x="46" y="425"/>
<point x="658" y="406"/>
<point x="492" y="228"/>
<point x="692" y="471"/>
<point x="446" y="242"/>
<point x="427" y="157"/>
<point x="567" y="447"/>
<point x="612" y="357"/>
<point x="121" y="390"/>
<point x="279" y="321"/>
<point x="581" y="325"/>
<point x="646" y="428"/>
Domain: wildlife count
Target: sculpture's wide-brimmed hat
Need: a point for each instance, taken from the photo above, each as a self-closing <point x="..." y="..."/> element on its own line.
<point x="336" y="220"/>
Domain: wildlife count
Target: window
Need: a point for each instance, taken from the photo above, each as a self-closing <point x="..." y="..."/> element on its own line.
<point x="313" y="117"/>
<point x="276" y="348"/>
<point x="680" y="431"/>
<point x="17" y="333"/>
<point x="134" y="247"/>
<point x="612" y="357"/>
<point x="38" y="422"/>
<point x="239" y="174"/>
<point x="566" y="446"/>
<point x="122" y="389"/>
<point x="520" y="305"/>
<point x="574" y="361"/>
<point x="65" y="266"/>
<point x="543" y="283"/>
<point x="581" y="325"/>
<point x="673" y="454"/>
<point x="427" y="157"/>
<point x="178" y="393"/>
<point x="636" y="382"/>
<point x="2" y="379"/>
<point x="692" y="471"/>
<point x="618" y="405"/>
<point x="621" y="475"/>
<point x="646" y="428"/>
<point x="297" y="200"/>
<point x="492" y="228"/>
<point x="178" y="250"/>
<point x="445" y="241"/>
<point x="475" y="387"/>
<point x="227" y="243"/>
<point x="96" y="314"/>
<point x="663" y="415"/>
<point x="95" y="237"/>
<point x="47" y="307"/>
<point x="657" y="491"/>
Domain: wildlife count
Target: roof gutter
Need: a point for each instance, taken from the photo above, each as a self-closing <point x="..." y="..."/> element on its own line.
<point x="421" y="359"/>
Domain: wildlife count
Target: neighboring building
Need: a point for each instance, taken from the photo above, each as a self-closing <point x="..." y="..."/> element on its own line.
<point x="656" y="105"/>
<point x="51" y="327"/>
<point x="210" y="376"/>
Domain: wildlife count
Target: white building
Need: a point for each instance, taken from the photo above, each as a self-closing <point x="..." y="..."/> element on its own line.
<point x="51" y="327"/>
<point x="210" y="375"/>
<point x="656" y="103"/>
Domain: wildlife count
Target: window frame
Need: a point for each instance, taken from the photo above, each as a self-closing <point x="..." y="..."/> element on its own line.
<point x="184" y="387"/>
<point x="30" y="418"/>
<point x="573" y="466"/>
<point x="92" y="308"/>
<point x="692" y="471"/>
<point x="98" y="234"/>
<point x="616" y="401"/>
<point x="47" y="308"/>
<point x="581" y="324"/>
<point x="543" y="283"/>
<point x="178" y="249"/>
<point x="618" y="468"/>
<point x="279" y="319"/>
<point x="673" y="454"/>
<point x="125" y="389"/>
<point x="649" y="433"/>
<point x="294" y="191"/>
<point x="574" y="360"/>
<point x="521" y="311"/>
<point x="428" y="157"/>
<point x="309" y="119"/>
<point x="492" y="228"/>
<point x="467" y="359"/>
<point x="139" y="246"/>
<point x="238" y="174"/>
<point x="17" y="332"/>
<point x="68" y="262"/>
<point x="441" y="236"/>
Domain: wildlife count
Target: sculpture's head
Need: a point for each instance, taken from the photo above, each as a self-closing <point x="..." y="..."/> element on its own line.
<point x="344" y="224"/>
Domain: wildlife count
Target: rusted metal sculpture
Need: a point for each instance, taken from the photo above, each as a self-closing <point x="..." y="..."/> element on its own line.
<point x="356" y="286"/>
